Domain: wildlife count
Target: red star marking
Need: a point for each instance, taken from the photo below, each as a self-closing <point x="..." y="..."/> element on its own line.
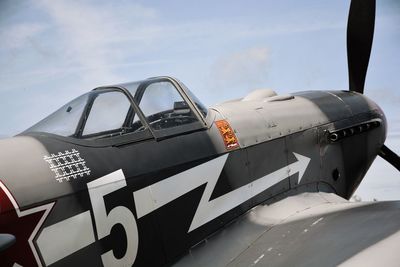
<point x="24" y="225"/>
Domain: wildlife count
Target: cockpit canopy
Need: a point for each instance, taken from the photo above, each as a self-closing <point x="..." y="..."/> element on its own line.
<point x="156" y="104"/>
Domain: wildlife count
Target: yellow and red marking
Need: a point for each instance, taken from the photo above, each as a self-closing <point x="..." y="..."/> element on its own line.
<point x="227" y="134"/>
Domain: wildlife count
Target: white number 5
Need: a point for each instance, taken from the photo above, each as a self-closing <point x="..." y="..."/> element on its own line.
<point x="120" y="214"/>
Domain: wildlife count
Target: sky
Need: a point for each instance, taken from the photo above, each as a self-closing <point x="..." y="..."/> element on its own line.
<point x="54" y="50"/>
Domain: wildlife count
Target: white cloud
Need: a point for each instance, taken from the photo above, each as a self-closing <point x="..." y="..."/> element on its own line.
<point x="18" y="35"/>
<point x="89" y="32"/>
<point x="383" y="95"/>
<point x="89" y="40"/>
<point x="248" y="68"/>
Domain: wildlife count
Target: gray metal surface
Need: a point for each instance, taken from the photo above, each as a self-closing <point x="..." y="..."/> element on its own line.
<point x="311" y="229"/>
<point x="256" y="120"/>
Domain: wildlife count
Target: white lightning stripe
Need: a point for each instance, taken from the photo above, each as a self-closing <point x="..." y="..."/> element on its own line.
<point x="157" y="195"/>
<point x="209" y="210"/>
<point x="66" y="237"/>
<point x="46" y="208"/>
<point x="150" y="198"/>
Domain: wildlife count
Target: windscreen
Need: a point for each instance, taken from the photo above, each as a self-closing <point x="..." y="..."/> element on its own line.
<point x="64" y="121"/>
<point x="108" y="112"/>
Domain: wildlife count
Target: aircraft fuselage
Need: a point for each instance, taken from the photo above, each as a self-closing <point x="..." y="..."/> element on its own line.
<point x="146" y="201"/>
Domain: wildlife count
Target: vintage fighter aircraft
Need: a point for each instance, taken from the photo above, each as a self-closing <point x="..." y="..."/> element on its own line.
<point x="142" y="174"/>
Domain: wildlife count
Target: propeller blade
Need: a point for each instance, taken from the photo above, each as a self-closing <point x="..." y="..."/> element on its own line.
<point x="390" y="157"/>
<point x="360" y="32"/>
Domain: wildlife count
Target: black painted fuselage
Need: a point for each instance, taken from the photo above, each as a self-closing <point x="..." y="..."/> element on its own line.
<point x="144" y="198"/>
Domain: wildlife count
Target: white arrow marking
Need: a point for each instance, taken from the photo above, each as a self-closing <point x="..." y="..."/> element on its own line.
<point x="209" y="210"/>
<point x="157" y="195"/>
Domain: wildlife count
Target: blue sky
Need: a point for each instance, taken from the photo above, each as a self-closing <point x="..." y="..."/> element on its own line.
<point x="52" y="51"/>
